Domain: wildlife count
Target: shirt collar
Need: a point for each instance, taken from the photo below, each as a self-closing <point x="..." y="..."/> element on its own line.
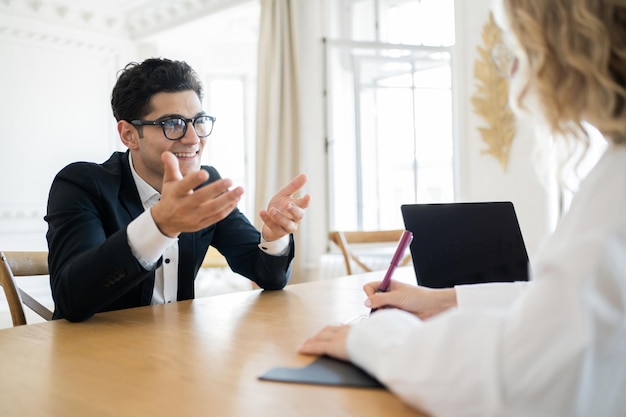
<point x="148" y="195"/>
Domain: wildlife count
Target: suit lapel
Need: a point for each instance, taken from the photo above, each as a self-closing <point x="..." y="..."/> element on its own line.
<point x="131" y="202"/>
<point x="129" y="196"/>
<point x="186" y="249"/>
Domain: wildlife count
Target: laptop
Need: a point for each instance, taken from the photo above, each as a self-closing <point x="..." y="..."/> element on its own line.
<point x="465" y="243"/>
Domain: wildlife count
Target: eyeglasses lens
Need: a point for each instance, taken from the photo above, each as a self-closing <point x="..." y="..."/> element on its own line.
<point x="174" y="128"/>
<point x="203" y="126"/>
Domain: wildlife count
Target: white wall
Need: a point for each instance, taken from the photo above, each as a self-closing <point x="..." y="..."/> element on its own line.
<point x="315" y="227"/>
<point x="480" y="176"/>
<point x="55" y="84"/>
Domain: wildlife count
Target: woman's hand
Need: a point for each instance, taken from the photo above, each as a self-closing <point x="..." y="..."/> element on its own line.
<point x="421" y="301"/>
<point x="331" y="340"/>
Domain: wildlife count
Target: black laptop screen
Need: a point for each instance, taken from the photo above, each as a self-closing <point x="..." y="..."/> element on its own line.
<point x="465" y="243"/>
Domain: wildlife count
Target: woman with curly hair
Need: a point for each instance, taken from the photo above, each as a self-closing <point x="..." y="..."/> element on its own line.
<point x="555" y="346"/>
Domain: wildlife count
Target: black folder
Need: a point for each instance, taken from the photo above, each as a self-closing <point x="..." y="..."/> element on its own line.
<point x="324" y="371"/>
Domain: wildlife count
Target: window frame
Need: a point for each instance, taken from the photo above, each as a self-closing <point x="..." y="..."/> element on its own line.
<point x="376" y="47"/>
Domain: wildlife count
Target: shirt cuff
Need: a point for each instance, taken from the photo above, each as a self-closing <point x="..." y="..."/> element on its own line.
<point x="278" y="247"/>
<point x="146" y="241"/>
<point x="493" y="295"/>
<point x="368" y="349"/>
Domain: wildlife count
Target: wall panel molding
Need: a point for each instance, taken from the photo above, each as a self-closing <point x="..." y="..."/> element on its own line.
<point x="21" y="217"/>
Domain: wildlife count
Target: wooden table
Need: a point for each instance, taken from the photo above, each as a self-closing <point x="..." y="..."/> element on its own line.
<point x="192" y="358"/>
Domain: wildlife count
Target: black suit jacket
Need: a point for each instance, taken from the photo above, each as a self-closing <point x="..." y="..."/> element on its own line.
<point x="92" y="268"/>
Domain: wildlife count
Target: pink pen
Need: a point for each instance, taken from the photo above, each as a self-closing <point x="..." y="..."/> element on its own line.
<point x="403" y="243"/>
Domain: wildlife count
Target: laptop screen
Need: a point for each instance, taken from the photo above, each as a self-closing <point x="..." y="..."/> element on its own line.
<point x="465" y="243"/>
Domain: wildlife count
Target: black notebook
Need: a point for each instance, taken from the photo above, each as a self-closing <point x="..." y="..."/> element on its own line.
<point x="465" y="243"/>
<point x="324" y="371"/>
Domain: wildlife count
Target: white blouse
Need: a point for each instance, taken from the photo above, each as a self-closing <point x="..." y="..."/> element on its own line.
<point x="555" y="346"/>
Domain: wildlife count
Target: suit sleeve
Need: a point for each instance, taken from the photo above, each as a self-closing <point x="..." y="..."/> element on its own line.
<point x="91" y="264"/>
<point x="237" y="239"/>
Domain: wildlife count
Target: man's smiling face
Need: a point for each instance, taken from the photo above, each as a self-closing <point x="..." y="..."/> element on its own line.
<point x="152" y="142"/>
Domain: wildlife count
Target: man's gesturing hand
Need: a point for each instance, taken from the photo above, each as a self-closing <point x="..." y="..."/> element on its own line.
<point x="284" y="212"/>
<point x="182" y="208"/>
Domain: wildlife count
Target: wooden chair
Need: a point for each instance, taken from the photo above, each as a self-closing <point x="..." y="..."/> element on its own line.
<point x="17" y="264"/>
<point x="344" y="240"/>
<point x="216" y="266"/>
<point x="214" y="259"/>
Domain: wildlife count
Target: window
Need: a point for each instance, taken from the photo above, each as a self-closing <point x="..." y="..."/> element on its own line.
<point x="227" y="146"/>
<point x="389" y="110"/>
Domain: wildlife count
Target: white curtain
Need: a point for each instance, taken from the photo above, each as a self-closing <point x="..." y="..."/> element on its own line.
<point x="278" y="116"/>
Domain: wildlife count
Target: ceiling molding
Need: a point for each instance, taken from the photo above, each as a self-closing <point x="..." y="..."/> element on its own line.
<point x="131" y="19"/>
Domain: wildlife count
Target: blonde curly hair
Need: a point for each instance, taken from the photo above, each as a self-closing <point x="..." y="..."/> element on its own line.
<point x="576" y="52"/>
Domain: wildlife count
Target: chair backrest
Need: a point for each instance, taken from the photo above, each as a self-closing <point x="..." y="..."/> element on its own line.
<point x="344" y="240"/>
<point x="17" y="264"/>
<point x="214" y="259"/>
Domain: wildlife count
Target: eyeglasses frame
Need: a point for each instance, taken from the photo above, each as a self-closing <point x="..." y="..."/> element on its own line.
<point x="161" y="123"/>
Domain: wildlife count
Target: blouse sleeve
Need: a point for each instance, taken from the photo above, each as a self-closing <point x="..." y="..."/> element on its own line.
<point x="497" y="295"/>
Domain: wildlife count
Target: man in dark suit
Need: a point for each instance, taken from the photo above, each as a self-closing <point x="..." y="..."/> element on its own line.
<point x="134" y="230"/>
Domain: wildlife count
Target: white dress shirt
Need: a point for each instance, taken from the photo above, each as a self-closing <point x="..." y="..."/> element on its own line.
<point x="555" y="346"/>
<point x="148" y="244"/>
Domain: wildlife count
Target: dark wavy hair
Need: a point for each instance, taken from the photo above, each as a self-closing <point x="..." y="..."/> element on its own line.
<point x="138" y="82"/>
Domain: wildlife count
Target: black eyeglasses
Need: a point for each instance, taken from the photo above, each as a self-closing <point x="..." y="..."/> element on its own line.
<point x="176" y="127"/>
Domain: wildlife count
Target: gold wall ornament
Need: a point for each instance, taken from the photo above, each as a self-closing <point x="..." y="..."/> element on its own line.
<point x="490" y="100"/>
